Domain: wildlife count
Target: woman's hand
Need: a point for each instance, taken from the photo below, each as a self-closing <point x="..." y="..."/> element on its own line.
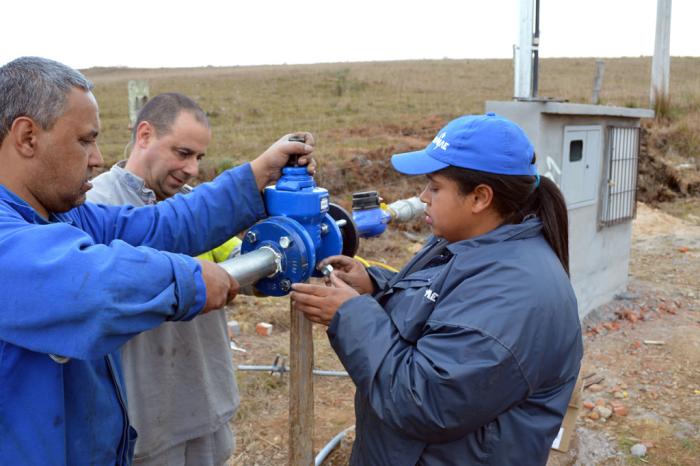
<point x="350" y="271"/>
<point x="320" y="303"/>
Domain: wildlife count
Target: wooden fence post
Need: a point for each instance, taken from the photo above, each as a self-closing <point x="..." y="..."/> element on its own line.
<point x="301" y="390"/>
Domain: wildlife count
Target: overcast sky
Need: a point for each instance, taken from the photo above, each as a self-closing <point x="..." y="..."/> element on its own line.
<point x="86" y="33"/>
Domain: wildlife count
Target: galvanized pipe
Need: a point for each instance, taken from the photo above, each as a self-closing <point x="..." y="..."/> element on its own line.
<point x="250" y="267"/>
<point x="283" y="369"/>
<point x="330" y="446"/>
<point x="405" y="210"/>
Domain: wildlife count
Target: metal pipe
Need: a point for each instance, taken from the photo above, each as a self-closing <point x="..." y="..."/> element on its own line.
<point x="253" y="266"/>
<point x="283" y="369"/>
<point x="331" y="373"/>
<point x="330" y="446"/>
<point x="405" y="210"/>
<point x="536" y="51"/>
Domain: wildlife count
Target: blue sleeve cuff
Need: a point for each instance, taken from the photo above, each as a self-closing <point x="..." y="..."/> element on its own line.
<point x="190" y="291"/>
<point x="200" y="295"/>
<point x="248" y="192"/>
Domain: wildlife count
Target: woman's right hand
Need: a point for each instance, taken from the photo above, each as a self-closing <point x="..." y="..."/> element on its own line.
<point x="351" y="272"/>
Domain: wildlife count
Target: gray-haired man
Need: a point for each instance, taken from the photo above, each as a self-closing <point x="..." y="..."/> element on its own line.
<point x="73" y="282"/>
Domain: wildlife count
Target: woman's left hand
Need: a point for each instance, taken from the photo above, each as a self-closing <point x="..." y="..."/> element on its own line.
<point x="320" y="303"/>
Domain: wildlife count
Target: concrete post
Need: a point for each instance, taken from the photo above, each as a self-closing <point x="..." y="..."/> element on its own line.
<point x="598" y="81"/>
<point x="138" y="96"/>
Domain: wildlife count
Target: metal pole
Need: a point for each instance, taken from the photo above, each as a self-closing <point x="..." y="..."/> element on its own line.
<point x="301" y="390"/>
<point x="661" y="63"/>
<point x="536" y="51"/>
<point x="523" y="57"/>
<point x="283" y="369"/>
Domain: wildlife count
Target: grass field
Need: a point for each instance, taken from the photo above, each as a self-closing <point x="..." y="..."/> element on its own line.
<point x="360" y="111"/>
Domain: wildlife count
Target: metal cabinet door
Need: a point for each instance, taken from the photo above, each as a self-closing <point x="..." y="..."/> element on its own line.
<point x="580" y="168"/>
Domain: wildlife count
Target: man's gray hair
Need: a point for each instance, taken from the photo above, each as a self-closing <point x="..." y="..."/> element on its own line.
<point x="36" y="88"/>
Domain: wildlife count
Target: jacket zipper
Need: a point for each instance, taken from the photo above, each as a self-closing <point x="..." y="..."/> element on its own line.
<point x="125" y="428"/>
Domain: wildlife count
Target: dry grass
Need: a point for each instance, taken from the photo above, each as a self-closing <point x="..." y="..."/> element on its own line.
<point x="368" y="110"/>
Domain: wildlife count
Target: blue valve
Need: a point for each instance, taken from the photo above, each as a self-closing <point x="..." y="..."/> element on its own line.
<point x="300" y="230"/>
<point x="370" y="218"/>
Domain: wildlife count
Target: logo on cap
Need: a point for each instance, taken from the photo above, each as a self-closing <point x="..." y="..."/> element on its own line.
<point x="440" y="142"/>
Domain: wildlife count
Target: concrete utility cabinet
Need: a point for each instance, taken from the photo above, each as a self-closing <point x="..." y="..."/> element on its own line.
<point x="591" y="152"/>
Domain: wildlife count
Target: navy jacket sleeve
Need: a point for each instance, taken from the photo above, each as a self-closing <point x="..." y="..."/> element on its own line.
<point x="82" y="292"/>
<point x="448" y="382"/>
<point x="381" y="277"/>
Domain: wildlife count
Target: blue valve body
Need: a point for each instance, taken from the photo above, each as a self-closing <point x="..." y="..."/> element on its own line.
<point x="296" y="196"/>
<point x="298" y="210"/>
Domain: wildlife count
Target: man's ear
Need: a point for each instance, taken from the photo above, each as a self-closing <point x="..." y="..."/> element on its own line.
<point x="145" y="132"/>
<point x="25" y="134"/>
<point x="482" y="198"/>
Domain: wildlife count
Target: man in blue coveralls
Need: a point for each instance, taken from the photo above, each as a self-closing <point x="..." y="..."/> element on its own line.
<point x="75" y="278"/>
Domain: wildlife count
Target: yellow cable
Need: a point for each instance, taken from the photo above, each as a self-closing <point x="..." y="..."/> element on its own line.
<point x="368" y="263"/>
<point x="362" y="261"/>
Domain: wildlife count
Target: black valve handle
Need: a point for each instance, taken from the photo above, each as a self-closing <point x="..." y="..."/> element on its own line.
<point x="293" y="160"/>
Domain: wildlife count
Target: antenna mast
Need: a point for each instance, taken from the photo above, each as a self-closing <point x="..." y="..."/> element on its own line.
<point x="527" y="51"/>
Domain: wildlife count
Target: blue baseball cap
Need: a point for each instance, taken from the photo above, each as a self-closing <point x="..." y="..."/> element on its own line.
<point x="487" y="143"/>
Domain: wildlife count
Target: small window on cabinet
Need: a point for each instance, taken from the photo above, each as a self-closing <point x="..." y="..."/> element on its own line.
<point x="576" y="150"/>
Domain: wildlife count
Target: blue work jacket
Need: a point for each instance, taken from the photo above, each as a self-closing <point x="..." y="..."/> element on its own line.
<point x="469" y="358"/>
<point x="76" y="285"/>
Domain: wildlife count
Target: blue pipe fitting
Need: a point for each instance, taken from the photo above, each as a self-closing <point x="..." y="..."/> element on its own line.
<point x="371" y="222"/>
<point x="369" y="217"/>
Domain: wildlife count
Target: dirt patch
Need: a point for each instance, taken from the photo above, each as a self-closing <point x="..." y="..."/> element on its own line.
<point x="666" y="250"/>
<point x="643" y="352"/>
<point x="370" y="169"/>
<point x="668" y="171"/>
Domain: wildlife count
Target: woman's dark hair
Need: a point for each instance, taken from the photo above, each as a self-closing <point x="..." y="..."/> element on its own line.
<point x="516" y="197"/>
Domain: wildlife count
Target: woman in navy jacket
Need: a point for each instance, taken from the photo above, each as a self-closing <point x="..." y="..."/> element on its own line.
<point x="468" y="355"/>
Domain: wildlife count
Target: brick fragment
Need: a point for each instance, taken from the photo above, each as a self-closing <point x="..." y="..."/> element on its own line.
<point x="263" y="329"/>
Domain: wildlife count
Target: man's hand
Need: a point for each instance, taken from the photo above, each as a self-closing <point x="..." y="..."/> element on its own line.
<point x="267" y="167"/>
<point x="320" y="303"/>
<point x="221" y="287"/>
<point x="351" y="272"/>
